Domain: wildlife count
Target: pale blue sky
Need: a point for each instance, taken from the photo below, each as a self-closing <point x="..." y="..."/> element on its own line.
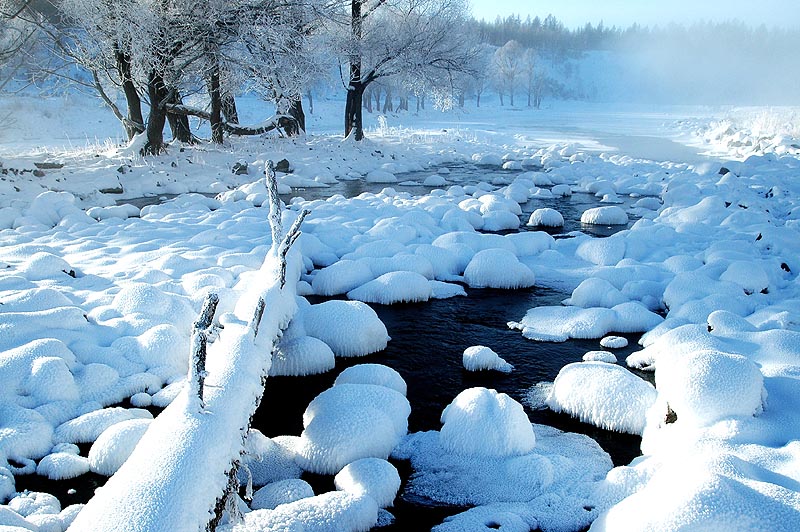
<point x="574" y="13"/>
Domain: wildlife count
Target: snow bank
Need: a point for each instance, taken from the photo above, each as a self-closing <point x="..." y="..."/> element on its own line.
<point x="478" y="357"/>
<point x="604" y="395"/>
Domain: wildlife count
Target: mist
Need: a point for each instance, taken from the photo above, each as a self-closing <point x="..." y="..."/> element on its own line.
<point x="712" y="64"/>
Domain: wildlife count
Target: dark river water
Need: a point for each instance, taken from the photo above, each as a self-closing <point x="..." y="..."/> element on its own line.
<point x="428" y="340"/>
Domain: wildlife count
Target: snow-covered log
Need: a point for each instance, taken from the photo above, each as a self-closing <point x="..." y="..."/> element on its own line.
<point x="179" y="472"/>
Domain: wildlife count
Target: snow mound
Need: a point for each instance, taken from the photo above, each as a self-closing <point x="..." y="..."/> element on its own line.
<point x="268" y="460"/>
<point x="600" y="356"/>
<point x="305" y="355"/>
<point x="605" y="395"/>
<point x="373" y="477"/>
<point x="483" y="422"/>
<point x="88" y="427"/>
<point x="393" y="287"/>
<point x="350" y="328"/>
<point x="497" y="268"/>
<point x="348" y="422"/>
<point x="43" y="265"/>
<point x="62" y="465"/>
<point x="380" y="176"/>
<point x="333" y="511"/>
<point x="610" y="215"/>
<point x="706" y="386"/>
<point x="115" y="445"/>
<point x="478" y="357"/>
<point x="341" y="277"/>
<point x="595" y="292"/>
<point x="558" y="324"/>
<point x="281" y="492"/>
<point x="614" y="342"/>
<point x="435" y="180"/>
<point x="377" y="374"/>
<point x="546" y="217"/>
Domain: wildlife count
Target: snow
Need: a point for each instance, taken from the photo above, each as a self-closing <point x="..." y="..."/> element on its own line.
<point x="604" y="395"/>
<point x="377" y="374"/>
<point x="614" y="342"/>
<point x="483" y="422"/>
<point x="333" y="321"/>
<point x="302" y="356"/>
<point x="497" y="268"/>
<point x="97" y="305"/>
<point x="286" y="491"/>
<point x="115" y="445"/>
<point x="478" y="357"/>
<point x="546" y="217"/>
<point x="604" y="216"/>
<point x="348" y="422"/>
<point x="393" y="287"/>
<point x="600" y="356"/>
<point x="372" y="477"/>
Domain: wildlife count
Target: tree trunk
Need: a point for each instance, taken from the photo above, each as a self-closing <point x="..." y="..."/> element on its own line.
<point x="478" y="99"/>
<point x="387" y="102"/>
<point x="377" y="92"/>
<point x="310" y="99"/>
<point x="403" y="104"/>
<point x="461" y="100"/>
<point x="229" y="110"/>
<point x="353" y="118"/>
<point x="134" y="124"/>
<point x="423" y="101"/>
<point x="368" y="101"/>
<point x="501" y="98"/>
<point x="157" y="92"/>
<point x="179" y="124"/>
<point x="216" y="105"/>
<point x="298" y="125"/>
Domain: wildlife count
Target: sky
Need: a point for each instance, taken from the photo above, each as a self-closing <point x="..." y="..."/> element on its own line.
<point x="575" y="13"/>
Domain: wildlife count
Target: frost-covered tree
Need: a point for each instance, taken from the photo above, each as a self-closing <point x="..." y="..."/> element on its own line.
<point x="509" y="65"/>
<point x="422" y="41"/>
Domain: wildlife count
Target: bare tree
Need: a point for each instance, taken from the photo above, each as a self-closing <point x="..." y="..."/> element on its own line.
<point x="419" y="41"/>
<point x="508" y="61"/>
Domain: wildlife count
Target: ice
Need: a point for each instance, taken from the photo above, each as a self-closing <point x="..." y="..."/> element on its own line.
<point x="393" y="287"/>
<point x="605" y="395"/>
<point x="611" y="215"/>
<point x="372" y="477"/>
<point x="483" y="422"/>
<point x="348" y="422"/>
<point x="350" y="328"/>
<point x="546" y="217"/>
<point x="286" y="491"/>
<point x="341" y="277"/>
<point x="705" y="386"/>
<point x="302" y="356"/>
<point x="478" y="357"/>
<point x="115" y="445"/>
<point x="377" y="374"/>
<point x="497" y="268"/>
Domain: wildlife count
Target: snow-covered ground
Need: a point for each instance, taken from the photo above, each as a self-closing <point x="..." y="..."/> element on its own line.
<point x="97" y="302"/>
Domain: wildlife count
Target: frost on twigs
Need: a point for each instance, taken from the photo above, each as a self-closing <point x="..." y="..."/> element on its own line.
<point x="281" y="242"/>
<point x="197" y="365"/>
